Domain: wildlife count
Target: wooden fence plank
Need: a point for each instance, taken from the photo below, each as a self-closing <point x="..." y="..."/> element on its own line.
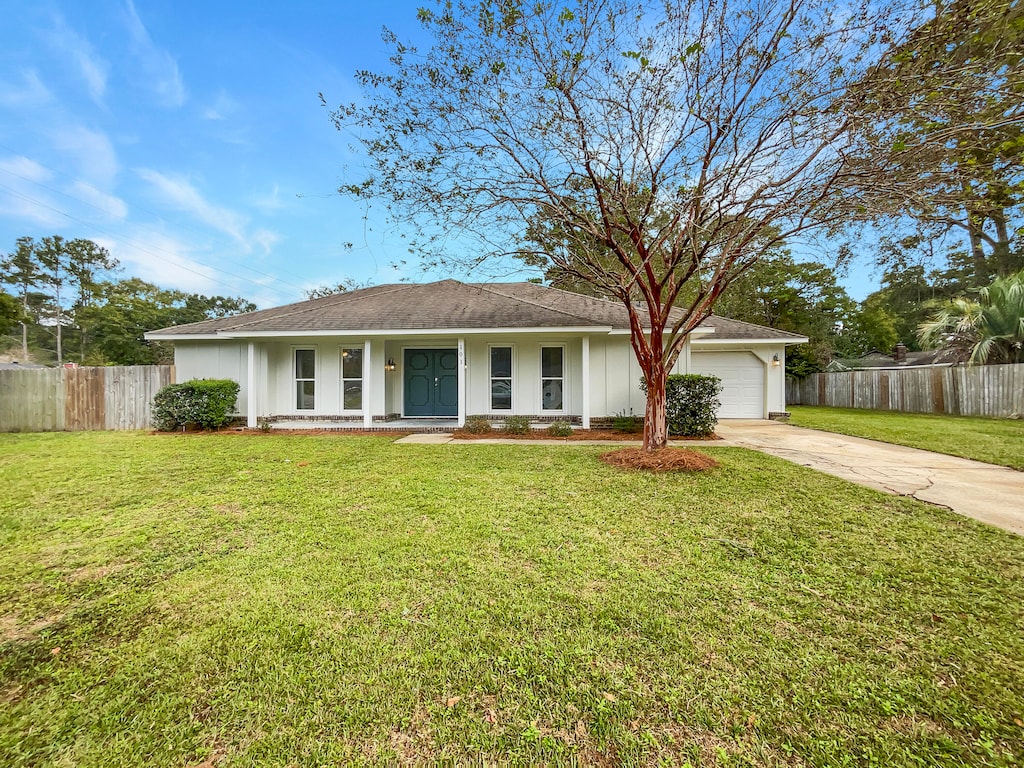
<point x="995" y="391"/>
<point x="57" y="399"/>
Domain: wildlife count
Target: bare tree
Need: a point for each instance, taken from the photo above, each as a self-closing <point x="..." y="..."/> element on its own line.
<point x="675" y="141"/>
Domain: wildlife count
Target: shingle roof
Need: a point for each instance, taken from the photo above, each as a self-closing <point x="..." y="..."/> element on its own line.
<point x="445" y="304"/>
<point x="726" y="328"/>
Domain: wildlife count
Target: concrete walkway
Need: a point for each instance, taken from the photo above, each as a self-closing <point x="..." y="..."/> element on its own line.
<point x="992" y="494"/>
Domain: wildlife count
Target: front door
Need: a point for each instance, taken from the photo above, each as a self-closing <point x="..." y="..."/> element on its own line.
<point x="431" y="382"/>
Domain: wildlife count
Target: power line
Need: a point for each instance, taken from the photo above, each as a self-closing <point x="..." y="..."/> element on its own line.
<point x="275" y="278"/>
<point x="143" y="248"/>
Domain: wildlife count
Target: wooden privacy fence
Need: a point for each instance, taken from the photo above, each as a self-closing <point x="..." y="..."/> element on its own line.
<point x="72" y="399"/>
<point x="983" y="390"/>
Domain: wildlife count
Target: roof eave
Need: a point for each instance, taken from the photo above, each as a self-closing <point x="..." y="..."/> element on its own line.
<point x="157" y="336"/>
<point x="391" y="332"/>
<point x="747" y="342"/>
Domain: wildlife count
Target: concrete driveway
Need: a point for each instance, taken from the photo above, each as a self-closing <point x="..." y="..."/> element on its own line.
<point x="992" y="494"/>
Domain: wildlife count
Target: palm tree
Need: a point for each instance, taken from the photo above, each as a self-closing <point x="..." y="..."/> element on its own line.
<point x="989" y="330"/>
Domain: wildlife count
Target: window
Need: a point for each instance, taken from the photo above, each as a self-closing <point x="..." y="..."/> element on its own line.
<point x="352" y="379"/>
<point x="551" y="378"/>
<point x="501" y="378"/>
<point x="305" y="379"/>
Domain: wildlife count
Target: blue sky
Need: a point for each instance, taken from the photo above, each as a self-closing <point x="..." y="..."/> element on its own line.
<point x="188" y="138"/>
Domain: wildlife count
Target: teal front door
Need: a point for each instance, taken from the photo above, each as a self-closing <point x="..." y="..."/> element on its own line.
<point x="431" y="379"/>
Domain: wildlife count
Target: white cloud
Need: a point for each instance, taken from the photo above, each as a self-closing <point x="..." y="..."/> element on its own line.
<point x="20" y="198"/>
<point x="160" y="259"/>
<point x="271" y="202"/>
<point x="25" y="169"/>
<point x="157" y="65"/>
<point x="91" y="67"/>
<point x="222" y="108"/>
<point x="114" y="207"/>
<point x="266" y="240"/>
<point x="27" y="94"/>
<point x="29" y="208"/>
<point x="179" y="193"/>
<point x="91" y="151"/>
<point x="24" y="184"/>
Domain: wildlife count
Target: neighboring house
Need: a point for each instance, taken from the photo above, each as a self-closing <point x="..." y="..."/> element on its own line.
<point x="448" y="349"/>
<point x="900" y="358"/>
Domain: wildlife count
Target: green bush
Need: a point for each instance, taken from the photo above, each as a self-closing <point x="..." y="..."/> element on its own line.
<point x="478" y="425"/>
<point x="560" y="429"/>
<point x="516" y="425"/>
<point x="691" y="401"/>
<point x="203" y="403"/>
<point x="629" y="424"/>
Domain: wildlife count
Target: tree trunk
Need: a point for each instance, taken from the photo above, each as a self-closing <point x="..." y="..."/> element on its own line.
<point x="977" y="252"/>
<point x="1001" y="256"/>
<point x="656" y="411"/>
<point x="24" y="326"/>
<point x="975" y="223"/>
<point x="60" y="319"/>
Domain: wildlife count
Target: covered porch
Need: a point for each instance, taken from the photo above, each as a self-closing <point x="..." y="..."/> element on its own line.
<point x="432" y="381"/>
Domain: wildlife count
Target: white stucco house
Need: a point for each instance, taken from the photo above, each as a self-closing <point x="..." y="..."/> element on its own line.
<point x="448" y="349"/>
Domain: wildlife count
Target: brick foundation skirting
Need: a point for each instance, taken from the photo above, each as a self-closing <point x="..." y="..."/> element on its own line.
<point x="534" y="419"/>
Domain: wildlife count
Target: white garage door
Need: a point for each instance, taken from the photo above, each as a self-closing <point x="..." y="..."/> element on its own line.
<point x="742" y="377"/>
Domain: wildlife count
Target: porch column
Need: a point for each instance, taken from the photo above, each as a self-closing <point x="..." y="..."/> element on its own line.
<point x="462" y="381"/>
<point x="367" y="385"/>
<point x="250" y="386"/>
<point x="586" y="382"/>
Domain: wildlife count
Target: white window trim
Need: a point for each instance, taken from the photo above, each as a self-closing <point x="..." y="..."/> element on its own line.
<point x="512" y="378"/>
<point x="317" y="389"/>
<point x="565" y="378"/>
<point x="342" y="379"/>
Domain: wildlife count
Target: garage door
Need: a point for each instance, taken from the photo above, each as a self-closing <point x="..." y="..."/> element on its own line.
<point x="742" y="377"/>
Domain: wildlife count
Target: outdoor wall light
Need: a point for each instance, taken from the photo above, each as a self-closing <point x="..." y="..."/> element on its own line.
<point x="775" y="360"/>
<point x="390" y="364"/>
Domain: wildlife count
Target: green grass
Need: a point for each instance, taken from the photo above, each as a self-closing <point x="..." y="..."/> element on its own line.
<point x="268" y="600"/>
<point x="995" y="441"/>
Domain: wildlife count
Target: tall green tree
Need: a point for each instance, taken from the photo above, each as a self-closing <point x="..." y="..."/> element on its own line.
<point x="873" y="327"/>
<point x="950" y="136"/>
<point x="65" y="271"/>
<point x="123" y="310"/>
<point x="801" y="297"/>
<point x="20" y="271"/>
<point x="10" y="313"/>
<point x="685" y="137"/>
<point x="989" y="329"/>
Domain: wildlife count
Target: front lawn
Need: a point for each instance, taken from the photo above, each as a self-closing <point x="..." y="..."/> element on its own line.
<point x="995" y="441"/>
<point x="232" y="600"/>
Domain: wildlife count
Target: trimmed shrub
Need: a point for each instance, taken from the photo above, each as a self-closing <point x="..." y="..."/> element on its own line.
<point x="560" y="429"/>
<point x="629" y="424"/>
<point x="692" y="404"/>
<point x="203" y="403"/>
<point x="478" y="425"/>
<point x="516" y="425"/>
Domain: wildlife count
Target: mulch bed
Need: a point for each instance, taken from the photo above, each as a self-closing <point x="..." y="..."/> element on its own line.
<point x="396" y="433"/>
<point x="534" y="434"/>
<point x="661" y="460"/>
<point x="577" y="434"/>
